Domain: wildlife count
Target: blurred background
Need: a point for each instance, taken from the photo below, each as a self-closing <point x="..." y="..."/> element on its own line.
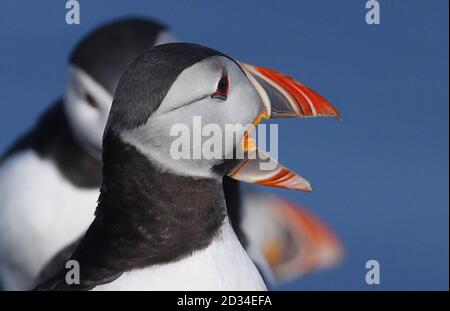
<point x="381" y="175"/>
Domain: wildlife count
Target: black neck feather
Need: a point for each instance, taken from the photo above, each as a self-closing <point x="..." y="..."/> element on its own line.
<point x="144" y="217"/>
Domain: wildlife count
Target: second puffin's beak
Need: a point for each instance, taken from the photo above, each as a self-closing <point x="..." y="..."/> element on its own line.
<point x="284" y="97"/>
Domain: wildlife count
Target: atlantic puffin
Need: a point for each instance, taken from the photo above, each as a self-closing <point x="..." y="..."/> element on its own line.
<point x="50" y="177"/>
<point x="161" y="222"/>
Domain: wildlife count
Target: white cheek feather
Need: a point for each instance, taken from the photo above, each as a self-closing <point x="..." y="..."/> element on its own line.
<point x="40" y="213"/>
<point x="188" y="97"/>
<point x="223" y="265"/>
<point x="87" y="123"/>
<point x="165" y="37"/>
<point x="155" y="145"/>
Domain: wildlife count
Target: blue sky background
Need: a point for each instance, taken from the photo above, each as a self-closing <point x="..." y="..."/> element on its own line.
<point x="381" y="176"/>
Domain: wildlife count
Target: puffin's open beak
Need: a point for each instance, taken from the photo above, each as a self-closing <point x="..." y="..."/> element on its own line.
<point x="284" y="97"/>
<point x="252" y="170"/>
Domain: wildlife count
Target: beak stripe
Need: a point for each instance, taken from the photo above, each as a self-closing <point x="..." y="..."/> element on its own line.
<point x="303" y="101"/>
<point x="253" y="70"/>
<point x="286" y="179"/>
<point x="279" y="178"/>
<point x="258" y="87"/>
<point x="282" y="82"/>
<point x="249" y="170"/>
<point x="311" y="105"/>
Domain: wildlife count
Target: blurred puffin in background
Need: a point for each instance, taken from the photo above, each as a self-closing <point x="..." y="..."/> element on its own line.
<point x="286" y="240"/>
<point x="162" y="223"/>
<point x="50" y="177"/>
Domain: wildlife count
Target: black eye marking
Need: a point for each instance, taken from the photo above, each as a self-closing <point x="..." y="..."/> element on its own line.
<point x="223" y="86"/>
<point x="90" y="100"/>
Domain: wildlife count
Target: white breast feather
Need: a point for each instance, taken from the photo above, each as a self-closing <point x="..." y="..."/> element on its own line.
<point x="223" y="265"/>
<point x="40" y="213"/>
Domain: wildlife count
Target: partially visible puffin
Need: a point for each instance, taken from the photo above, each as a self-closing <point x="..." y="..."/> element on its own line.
<point x="49" y="178"/>
<point x="285" y="239"/>
<point x="161" y="221"/>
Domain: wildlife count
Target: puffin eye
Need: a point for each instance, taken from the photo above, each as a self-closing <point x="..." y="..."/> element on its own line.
<point x="90" y="101"/>
<point x="222" y="88"/>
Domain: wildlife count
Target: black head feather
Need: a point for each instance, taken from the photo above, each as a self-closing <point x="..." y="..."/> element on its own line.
<point x="107" y="51"/>
<point x="148" y="79"/>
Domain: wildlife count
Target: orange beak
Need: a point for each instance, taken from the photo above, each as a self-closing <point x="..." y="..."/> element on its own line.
<point x="282" y="97"/>
<point x="251" y="170"/>
<point x="285" y="97"/>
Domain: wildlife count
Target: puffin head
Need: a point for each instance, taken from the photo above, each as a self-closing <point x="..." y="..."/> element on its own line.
<point x="179" y="91"/>
<point x="95" y="66"/>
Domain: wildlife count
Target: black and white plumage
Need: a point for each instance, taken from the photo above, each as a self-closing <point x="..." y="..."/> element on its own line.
<point x="49" y="178"/>
<point x="161" y="222"/>
<point x="158" y="225"/>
